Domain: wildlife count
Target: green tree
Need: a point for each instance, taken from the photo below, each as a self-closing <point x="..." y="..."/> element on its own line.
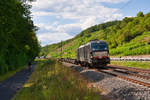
<point x="17" y="35"/>
<point x="140" y="14"/>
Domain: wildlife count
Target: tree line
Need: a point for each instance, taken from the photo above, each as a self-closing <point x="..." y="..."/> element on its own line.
<point x="18" y="41"/>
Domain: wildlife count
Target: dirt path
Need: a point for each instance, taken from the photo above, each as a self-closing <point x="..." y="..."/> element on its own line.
<point x="9" y="87"/>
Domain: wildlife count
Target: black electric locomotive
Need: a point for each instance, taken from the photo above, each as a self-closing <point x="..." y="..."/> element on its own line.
<point x="94" y="53"/>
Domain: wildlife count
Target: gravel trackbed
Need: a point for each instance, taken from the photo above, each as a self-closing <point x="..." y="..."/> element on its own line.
<point x="114" y="88"/>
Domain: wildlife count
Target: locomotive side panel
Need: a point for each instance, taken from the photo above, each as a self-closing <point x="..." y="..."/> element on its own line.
<point x="77" y="54"/>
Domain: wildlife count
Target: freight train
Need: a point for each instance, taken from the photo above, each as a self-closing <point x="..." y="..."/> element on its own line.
<point x="93" y="54"/>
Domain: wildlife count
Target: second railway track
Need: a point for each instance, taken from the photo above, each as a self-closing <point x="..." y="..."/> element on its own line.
<point x="127" y="75"/>
<point x="127" y="78"/>
<point x="133" y="74"/>
<point x="130" y="69"/>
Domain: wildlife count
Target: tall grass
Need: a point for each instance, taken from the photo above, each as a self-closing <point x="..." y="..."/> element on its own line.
<point x="53" y="81"/>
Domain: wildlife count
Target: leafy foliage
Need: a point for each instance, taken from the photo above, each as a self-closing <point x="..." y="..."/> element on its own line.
<point x="131" y="36"/>
<point x="140" y="14"/>
<point x="17" y="35"/>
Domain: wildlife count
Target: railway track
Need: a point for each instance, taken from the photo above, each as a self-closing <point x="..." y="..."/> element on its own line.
<point x="130" y="69"/>
<point x="136" y="81"/>
<point x="141" y="73"/>
<point x="133" y="74"/>
<point x="129" y="74"/>
<point x="126" y="73"/>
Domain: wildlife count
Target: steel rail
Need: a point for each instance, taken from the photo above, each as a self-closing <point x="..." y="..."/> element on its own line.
<point x="127" y="79"/>
<point x="136" y="75"/>
<point x="130" y="59"/>
<point x="129" y="68"/>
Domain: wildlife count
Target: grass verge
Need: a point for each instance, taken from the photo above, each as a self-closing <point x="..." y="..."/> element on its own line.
<point x="10" y="73"/>
<point x="144" y="65"/>
<point x="53" y="81"/>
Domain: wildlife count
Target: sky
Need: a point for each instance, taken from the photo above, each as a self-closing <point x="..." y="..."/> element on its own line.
<point x="59" y="20"/>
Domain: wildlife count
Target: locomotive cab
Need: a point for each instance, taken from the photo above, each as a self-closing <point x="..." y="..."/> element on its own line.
<point x="99" y="53"/>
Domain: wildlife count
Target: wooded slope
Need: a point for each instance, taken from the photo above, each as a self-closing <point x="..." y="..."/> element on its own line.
<point x="130" y="36"/>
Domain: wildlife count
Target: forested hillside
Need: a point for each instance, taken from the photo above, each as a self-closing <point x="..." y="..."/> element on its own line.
<point x="18" y="42"/>
<point x="131" y="36"/>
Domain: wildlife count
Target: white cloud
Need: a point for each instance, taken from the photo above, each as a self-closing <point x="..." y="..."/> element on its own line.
<point x="112" y="1"/>
<point x="83" y="13"/>
<point x="57" y="33"/>
<point x="69" y="28"/>
<point x="46" y="27"/>
<point x="59" y="4"/>
<point x="42" y="13"/>
<point x="55" y="27"/>
<point x="53" y="37"/>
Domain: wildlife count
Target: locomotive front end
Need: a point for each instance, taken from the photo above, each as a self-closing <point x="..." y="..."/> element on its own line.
<point x="99" y="53"/>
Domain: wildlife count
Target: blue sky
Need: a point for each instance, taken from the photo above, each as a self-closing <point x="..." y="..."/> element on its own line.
<point x="63" y="19"/>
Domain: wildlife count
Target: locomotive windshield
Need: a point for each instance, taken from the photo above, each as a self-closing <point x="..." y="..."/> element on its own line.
<point x="99" y="47"/>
